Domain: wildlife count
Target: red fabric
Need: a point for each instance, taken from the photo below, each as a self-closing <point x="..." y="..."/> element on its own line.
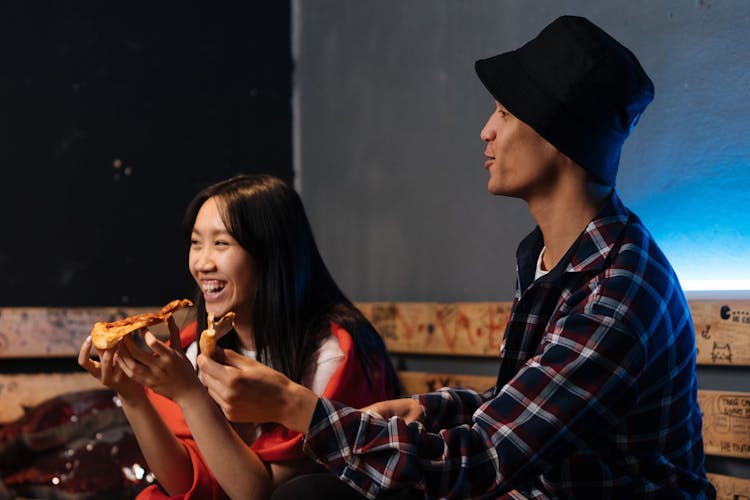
<point x="347" y="385"/>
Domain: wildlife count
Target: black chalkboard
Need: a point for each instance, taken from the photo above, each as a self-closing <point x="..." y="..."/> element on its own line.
<point x="112" y="116"/>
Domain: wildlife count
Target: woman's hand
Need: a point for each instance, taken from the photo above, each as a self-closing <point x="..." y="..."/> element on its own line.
<point x="163" y="369"/>
<point x="249" y="391"/>
<point x="108" y="371"/>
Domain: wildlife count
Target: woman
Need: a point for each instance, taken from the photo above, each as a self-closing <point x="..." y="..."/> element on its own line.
<point x="252" y="252"/>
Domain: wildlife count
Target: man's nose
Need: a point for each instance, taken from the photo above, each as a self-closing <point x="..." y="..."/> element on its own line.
<point x="488" y="131"/>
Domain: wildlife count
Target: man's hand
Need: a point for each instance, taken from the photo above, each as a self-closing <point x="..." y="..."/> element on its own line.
<point x="249" y="391"/>
<point x="410" y="410"/>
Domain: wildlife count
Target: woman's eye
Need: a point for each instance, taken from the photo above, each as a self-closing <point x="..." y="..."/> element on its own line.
<point x="194" y="242"/>
<point x="221" y="243"/>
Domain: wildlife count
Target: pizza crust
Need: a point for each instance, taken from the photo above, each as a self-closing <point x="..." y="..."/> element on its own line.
<point x="214" y="332"/>
<point x="106" y="335"/>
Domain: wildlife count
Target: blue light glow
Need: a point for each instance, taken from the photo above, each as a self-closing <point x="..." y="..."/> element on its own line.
<point x="710" y="285"/>
<point x="701" y="223"/>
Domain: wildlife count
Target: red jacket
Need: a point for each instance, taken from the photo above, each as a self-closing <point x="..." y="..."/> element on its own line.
<point x="347" y="385"/>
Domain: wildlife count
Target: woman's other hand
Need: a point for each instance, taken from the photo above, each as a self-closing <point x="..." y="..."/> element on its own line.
<point x="163" y="369"/>
<point x="249" y="391"/>
<point x="108" y="371"/>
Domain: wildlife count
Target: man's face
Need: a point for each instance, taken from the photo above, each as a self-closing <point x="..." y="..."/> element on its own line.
<point x="521" y="163"/>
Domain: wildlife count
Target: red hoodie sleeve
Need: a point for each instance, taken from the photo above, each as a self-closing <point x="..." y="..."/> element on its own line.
<point x="347" y="385"/>
<point x="204" y="484"/>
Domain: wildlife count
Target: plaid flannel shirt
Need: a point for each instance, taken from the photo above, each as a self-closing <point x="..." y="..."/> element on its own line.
<point x="596" y="394"/>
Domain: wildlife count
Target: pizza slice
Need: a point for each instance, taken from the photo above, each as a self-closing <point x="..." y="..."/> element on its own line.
<point x="106" y="335"/>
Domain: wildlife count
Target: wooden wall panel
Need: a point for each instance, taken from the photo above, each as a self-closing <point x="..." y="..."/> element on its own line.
<point x="722" y="331"/>
<point x="726" y="423"/>
<point x="476" y="329"/>
<point x="467" y="329"/>
<point x="421" y="382"/>
<point x="18" y="391"/>
<point x="730" y="488"/>
<point x="37" y="332"/>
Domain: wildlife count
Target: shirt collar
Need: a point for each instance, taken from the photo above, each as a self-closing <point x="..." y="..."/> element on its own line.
<point x="588" y="253"/>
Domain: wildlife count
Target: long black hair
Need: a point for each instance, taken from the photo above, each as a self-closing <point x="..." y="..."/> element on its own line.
<point x="296" y="298"/>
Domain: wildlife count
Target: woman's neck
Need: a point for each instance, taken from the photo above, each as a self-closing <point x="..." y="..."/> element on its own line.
<point x="245" y="332"/>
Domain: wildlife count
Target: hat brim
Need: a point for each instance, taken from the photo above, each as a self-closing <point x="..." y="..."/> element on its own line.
<point x="511" y="85"/>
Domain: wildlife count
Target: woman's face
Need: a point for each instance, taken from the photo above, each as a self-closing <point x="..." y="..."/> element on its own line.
<point x="224" y="271"/>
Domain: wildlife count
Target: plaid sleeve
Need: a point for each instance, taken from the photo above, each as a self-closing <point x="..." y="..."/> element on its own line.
<point x="373" y="454"/>
<point x="450" y="407"/>
<point x="573" y="389"/>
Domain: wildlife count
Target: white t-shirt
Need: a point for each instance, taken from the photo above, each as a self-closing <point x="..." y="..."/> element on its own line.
<point x="539" y="271"/>
<point x="328" y="359"/>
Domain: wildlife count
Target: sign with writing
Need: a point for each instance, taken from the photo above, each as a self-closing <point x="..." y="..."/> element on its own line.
<point x="726" y="423"/>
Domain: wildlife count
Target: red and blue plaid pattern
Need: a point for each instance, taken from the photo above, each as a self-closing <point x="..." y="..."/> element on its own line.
<point x="596" y="394"/>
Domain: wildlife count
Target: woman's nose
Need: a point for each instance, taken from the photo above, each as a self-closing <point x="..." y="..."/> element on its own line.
<point x="204" y="260"/>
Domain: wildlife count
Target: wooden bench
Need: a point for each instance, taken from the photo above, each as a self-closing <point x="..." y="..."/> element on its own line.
<point x="427" y="331"/>
<point x="474" y="330"/>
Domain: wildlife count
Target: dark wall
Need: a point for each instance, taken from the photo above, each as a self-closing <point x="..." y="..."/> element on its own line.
<point x="112" y="116"/>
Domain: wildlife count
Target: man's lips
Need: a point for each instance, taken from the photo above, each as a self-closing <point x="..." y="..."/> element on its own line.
<point x="489" y="159"/>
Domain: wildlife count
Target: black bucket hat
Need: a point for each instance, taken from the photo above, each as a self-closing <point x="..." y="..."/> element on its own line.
<point x="578" y="87"/>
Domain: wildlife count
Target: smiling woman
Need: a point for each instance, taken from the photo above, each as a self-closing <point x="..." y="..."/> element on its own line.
<point x="252" y="253"/>
<point x="223" y="269"/>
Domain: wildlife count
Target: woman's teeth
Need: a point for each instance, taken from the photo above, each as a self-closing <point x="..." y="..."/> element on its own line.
<point x="212" y="287"/>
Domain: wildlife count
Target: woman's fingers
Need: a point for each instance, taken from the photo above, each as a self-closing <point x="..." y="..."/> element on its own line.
<point x="85" y="361"/>
<point x="126" y="362"/>
<point x="174" y="335"/>
<point x="84" y="352"/>
<point x="157" y="346"/>
<point x="237" y="360"/>
<point x="106" y="366"/>
<point x="133" y="350"/>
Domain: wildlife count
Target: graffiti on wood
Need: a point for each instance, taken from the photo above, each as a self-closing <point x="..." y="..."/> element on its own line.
<point x="722" y="332"/>
<point x="422" y="382"/>
<point x="726" y="423"/>
<point x="433" y="328"/>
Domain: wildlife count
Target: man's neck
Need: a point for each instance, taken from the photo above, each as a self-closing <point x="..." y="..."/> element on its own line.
<point x="564" y="213"/>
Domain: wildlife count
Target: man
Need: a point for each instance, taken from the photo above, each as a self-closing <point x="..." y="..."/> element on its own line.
<point x="596" y="395"/>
